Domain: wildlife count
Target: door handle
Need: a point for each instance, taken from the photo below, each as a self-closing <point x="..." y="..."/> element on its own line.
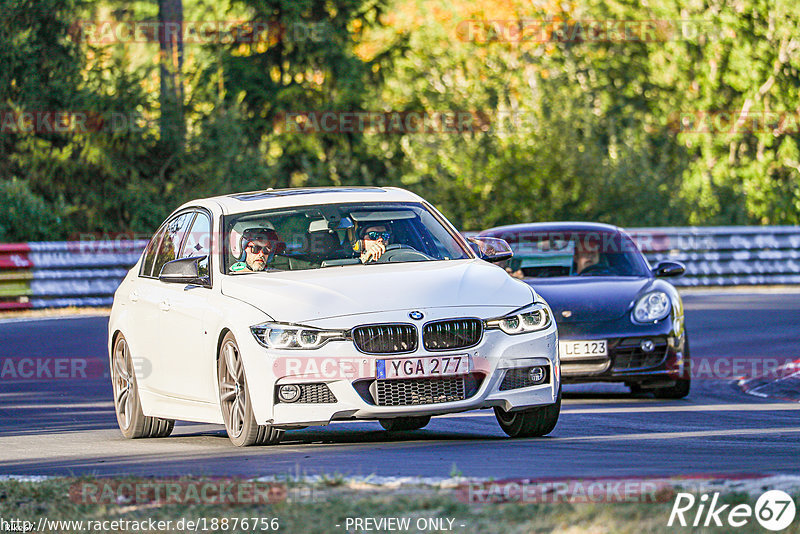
<point x="133" y="296"/>
<point x="164" y="305"/>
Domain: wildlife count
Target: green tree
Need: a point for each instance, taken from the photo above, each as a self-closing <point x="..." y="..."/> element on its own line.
<point x="304" y="62"/>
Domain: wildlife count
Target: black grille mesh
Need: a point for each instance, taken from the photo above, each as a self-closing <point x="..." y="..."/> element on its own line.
<point x="313" y="394"/>
<point x="635" y="358"/>
<point x="628" y="354"/>
<point x="386" y="339"/>
<point x="452" y="334"/>
<point x="413" y="391"/>
<point x="316" y="394"/>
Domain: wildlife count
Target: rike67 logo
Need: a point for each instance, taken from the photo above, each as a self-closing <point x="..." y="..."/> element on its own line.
<point x="774" y="510"/>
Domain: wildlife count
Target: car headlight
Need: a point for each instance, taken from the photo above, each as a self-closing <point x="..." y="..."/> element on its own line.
<point x="651" y="307"/>
<point x="288" y="336"/>
<point x="531" y="319"/>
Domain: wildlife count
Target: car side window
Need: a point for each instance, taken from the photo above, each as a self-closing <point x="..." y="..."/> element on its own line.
<point x="198" y="242"/>
<point x="173" y="238"/>
<point x="150" y="253"/>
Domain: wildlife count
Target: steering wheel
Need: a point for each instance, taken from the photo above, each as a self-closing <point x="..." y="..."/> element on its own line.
<point x="401" y="252"/>
<point x="595" y="269"/>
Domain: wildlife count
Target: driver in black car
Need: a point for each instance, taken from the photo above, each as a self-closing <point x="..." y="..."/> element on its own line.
<point x="586" y="255"/>
<point x="373" y="242"/>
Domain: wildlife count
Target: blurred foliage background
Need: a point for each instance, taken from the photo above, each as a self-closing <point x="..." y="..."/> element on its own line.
<point x="568" y="125"/>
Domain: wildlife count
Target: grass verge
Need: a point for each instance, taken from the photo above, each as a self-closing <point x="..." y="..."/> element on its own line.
<point x="324" y="507"/>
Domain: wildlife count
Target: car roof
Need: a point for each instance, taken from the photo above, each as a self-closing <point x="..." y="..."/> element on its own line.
<point x="575" y="226"/>
<point x="306" y="196"/>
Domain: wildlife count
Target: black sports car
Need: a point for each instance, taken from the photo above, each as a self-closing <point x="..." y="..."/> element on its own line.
<point x="617" y="320"/>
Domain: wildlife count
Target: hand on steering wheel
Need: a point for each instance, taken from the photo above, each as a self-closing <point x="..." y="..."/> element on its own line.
<point x="374" y="252"/>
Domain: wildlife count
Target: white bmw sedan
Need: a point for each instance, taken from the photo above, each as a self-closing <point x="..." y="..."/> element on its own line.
<point x="281" y="309"/>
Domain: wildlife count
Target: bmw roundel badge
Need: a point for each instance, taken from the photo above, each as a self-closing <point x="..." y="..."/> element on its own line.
<point x="416" y="315"/>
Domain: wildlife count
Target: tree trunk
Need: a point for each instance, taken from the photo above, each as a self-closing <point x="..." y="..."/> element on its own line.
<point x="173" y="130"/>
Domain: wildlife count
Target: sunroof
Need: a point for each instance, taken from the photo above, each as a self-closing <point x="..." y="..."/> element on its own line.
<point x="261" y="195"/>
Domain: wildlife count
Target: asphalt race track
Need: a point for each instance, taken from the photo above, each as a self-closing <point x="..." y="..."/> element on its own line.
<point x="67" y="426"/>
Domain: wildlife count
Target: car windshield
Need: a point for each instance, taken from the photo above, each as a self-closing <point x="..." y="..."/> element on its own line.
<point x="550" y="254"/>
<point x="313" y="237"/>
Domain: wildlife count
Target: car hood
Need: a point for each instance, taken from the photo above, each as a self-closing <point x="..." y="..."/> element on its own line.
<point x="304" y="296"/>
<point x="590" y="299"/>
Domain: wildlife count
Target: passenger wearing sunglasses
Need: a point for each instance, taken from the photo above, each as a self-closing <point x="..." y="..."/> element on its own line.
<point x="258" y="254"/>
<point x="260" y="246"/>
<point x="374" y="240"/>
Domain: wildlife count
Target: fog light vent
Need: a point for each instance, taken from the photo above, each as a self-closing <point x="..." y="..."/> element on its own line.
<point x="317" y="393"/>
<point x="288" y="393"/>
<point x="523" y="377"/>
<point x="536" y="375"/>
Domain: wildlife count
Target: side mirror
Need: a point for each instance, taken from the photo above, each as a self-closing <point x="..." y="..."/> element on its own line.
<point x="491" y="249"/>
<point x="183" y="271"/>
<point x="666" y="269"/>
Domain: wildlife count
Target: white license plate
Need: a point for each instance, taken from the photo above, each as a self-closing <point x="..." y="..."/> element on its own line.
<point x="583" y="349"/>
<point x="454" y="364"/>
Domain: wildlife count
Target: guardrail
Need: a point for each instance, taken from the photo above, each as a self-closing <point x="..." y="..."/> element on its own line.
<point x="86" y="273"/>
<point x="60" y="274"/>
<point x="726" y="255"/>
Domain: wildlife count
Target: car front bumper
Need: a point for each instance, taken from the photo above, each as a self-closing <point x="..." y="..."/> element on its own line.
<point x="350" y="376"/>
<point x="627" y="360"/>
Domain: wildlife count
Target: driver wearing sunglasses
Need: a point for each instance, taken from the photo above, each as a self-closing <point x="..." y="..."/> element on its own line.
<point x="374" y="240"/>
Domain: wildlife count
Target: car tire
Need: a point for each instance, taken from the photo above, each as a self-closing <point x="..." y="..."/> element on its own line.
<point x="399" y="424"/>
<point x="133" y="423"/>
<point x="533" y="422"/>
<point x="234" y="399"/>
<point x="636" y="388"/>
<point x="683" y="384"/>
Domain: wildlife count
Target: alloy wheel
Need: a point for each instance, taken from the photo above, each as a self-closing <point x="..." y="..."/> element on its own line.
<point x="124" y="387"/>
<point x="232" y="389"/>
